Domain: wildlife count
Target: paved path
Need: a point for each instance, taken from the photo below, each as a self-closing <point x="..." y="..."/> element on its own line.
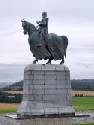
<point x="50" y="121"/>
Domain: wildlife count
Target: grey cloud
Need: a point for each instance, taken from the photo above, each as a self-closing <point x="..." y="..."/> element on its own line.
<point x="73" y="18"/>
<point x="57" y="8"/>
<point x="11" y="73"/>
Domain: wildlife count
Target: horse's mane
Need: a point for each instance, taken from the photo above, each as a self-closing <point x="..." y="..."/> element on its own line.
<point x="31" y="25"/>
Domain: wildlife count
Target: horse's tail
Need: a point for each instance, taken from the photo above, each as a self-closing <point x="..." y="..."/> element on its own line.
<point x="65" y="43"/>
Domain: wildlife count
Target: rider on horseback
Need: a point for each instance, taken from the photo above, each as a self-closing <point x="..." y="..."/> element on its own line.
<point x="43" y="27"/>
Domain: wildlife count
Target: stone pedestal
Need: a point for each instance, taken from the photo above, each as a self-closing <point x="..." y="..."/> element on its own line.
<point x="46" y="92"/>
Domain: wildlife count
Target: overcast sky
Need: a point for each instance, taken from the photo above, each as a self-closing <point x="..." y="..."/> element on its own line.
<point x="73" y="18"/>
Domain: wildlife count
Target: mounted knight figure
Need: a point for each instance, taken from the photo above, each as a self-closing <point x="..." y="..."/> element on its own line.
<point x="45" y="45"/>
<point x="43" y="27"/>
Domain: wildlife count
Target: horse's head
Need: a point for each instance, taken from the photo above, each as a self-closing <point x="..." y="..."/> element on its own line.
<point x="27" y="27"/>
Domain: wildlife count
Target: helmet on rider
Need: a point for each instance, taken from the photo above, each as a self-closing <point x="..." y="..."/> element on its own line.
<point x="44" y="14"/>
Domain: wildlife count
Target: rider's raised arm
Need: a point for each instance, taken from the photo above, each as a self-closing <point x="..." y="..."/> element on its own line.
<point x="38" y="22"/>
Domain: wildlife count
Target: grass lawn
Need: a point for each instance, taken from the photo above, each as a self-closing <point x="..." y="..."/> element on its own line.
<point x="83" y="103"/>
<point x="8" y="107"/>
<point x="85" y="124"/>
<point x="8" y="110"/>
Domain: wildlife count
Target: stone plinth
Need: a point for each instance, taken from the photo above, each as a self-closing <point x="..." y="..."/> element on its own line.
<point x="46" y="91"/>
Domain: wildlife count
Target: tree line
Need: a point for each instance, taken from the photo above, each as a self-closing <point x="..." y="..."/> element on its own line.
<point x="83" y="84"/>
<point x="10" y="98"/>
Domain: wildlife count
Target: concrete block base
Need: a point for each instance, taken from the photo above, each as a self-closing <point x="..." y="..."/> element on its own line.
<point x="46" y="92"/>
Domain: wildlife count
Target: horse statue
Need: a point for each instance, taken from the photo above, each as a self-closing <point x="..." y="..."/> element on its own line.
<point x="54" y="47"/>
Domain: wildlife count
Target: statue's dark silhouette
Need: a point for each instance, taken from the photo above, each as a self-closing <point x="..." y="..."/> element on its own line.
<point x="45" y="45"/>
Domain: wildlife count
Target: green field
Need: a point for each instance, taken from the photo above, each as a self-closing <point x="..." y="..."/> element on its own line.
<point x="8" y="107"/>
<point x="85" y="124"/>
<point x="83" y="103"/>
<point x="8" y="110"/>
<point x="79" y="104"/>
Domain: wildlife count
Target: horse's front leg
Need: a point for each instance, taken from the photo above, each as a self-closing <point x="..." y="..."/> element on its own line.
<point x="49" y="61"/>
<point x="62" y="61"/>
<point x="36" y="60"/>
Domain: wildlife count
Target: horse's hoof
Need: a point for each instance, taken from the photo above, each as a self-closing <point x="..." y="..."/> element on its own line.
<point x="48" y="62"/>
<point x="34" y="62"/>
<point x="61" y="62"/>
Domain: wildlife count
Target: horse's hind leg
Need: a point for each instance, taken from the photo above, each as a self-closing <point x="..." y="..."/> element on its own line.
<point x="62" y="61"/>
<point x="36" y="60"/>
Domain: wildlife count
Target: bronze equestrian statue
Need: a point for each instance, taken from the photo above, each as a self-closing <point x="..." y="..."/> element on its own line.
<point x="45" y="45"/>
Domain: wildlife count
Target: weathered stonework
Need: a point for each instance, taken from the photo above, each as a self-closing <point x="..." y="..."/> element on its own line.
<point x="46" y="91"/>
